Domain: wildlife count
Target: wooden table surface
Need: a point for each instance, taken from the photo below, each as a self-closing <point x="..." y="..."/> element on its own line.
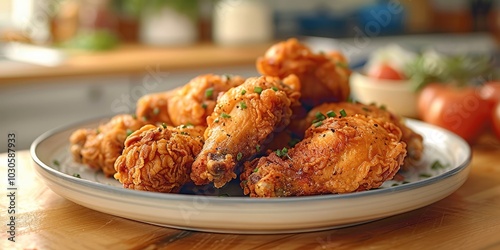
<point x="467" y="219"/>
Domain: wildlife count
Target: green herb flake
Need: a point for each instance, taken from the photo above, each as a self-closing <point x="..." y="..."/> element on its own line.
<point x="223" y="195"/>
<point x="257" y="148"/>
<point x="282" y="152"/>
<point x="226" y="77"/>
<point x="243" y="92"/>
<point x="424" y="175"/>
<point x="239" y="156"/>
<point x="224" y="115"/>
<point x="317" y="124"/>
<point x="204" y="105"/>
<point x="209" y="92"/>
<point x="257" y="90"/>
<point x="216" y="120"/>
<point x="437" y="165"/>
<point x="343" y="113"/>
<point x="144" y="118"/>
<point x="274" y="88"/>
<point x="56" y="163"/>
<point x="164" y="125"/>
<point x="243" y="105"/>
<point x="77" y="175"/>
<point x="156" y="111"/>
<point x="134" y="116"/>
<point x="255" y="170"/>
<point x="331" y="114"/>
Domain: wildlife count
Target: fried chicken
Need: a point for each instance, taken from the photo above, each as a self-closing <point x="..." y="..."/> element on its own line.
<point x="244" y="120"/>
<point x="99" y="147"/>
<point x="413" y="140"/>
<point x="324" y="76"/>
<point x="340" y="155"/>
<point x="159" y="159"/>
<point x="189" y="104"/>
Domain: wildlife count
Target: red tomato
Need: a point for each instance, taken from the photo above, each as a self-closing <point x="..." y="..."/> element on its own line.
<point x="491" y="91"/>
<point x="495" y="120"/>
<point x="384" y="71"/>
<point x="460" y="110"/>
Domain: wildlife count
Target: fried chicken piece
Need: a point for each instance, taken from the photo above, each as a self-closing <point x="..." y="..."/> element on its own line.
<point x="413" y="140"/>
<point x="189" y="104"/>
<point x="99" y="147"/>
<point x="324" y="76"/>
<point x="244" y="120"/>
<point x="159" y="159"/>
<point x="341" y="155"/>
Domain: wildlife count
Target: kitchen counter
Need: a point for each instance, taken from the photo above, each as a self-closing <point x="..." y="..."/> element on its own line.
<point x="135" y="59"/>
<point x="467" y="219"/>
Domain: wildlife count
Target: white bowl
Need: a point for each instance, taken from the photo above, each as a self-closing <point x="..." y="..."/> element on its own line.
<point x="396" y="95"/>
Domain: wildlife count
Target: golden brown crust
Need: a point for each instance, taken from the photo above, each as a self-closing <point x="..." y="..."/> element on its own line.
<point x="413" y="140"/>
<point x="324" y="76"/>
<point x="339" y="156"/>
<point x="158" y="159"/>
<point x="242" y="122"/>
<point x="189" y="104"/>
<point x="98" y="148"/>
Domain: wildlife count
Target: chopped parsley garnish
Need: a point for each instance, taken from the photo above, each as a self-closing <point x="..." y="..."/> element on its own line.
<point x="257" y="148"/>
<point x="317" y="124"/>
<point x="226" y="77"/>
<point x="424" y="175"/>
<point x="209" y="92"/>
<point x="216" y="120"/>
<point x="134" y="116"/>
<point x="257" y="90"/>
<point x="437" y="165"/>
<point x="164" y="125"/>
<point x="144" y="118"/>
<point x="77" y="175"/>
<point x="239" y="156"/>
<point x="255" y="170"/>
<point x="243" y="105"/>
<point x="331" y="114"/>
<point x="57" y="163"/>
<point x="274" y="88"/>
<point x="204" y="105"/>
<point x="243" y="92"/>
<point x="343" y="113"/>
<point x="341" y="64"/>
<point x="282" y="152"/>
<point x="224" y="115"/>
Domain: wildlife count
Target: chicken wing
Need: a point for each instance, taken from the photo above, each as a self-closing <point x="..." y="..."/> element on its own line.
<point x="244" y="120"/>
<point x="413" y="140"/>
<point x="324" y="76"/>
<point x="340" y="155"/>
<point x="159" y="159"/>
<point x="99" y="148"/>
<point x="189" y="104"/>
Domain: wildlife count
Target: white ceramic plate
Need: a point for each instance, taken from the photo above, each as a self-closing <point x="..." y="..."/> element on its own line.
<point x="215" y="211"/>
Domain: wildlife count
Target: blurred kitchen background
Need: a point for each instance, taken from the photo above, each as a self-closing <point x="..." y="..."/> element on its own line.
<point x="64" y="61"/>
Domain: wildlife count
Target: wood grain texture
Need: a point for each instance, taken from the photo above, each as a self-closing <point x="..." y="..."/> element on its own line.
<point x="467" y="219"/>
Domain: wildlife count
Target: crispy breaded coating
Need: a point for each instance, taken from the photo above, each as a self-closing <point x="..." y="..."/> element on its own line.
<point x="99" y="147"/>
<point x="413" y="140"/>
<point x="340" y="155"/>
<point x="243" y="122"/>
<point x="189" y="104"/>
<point x="324" y="76"/>
<point x="159" y="159"/>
